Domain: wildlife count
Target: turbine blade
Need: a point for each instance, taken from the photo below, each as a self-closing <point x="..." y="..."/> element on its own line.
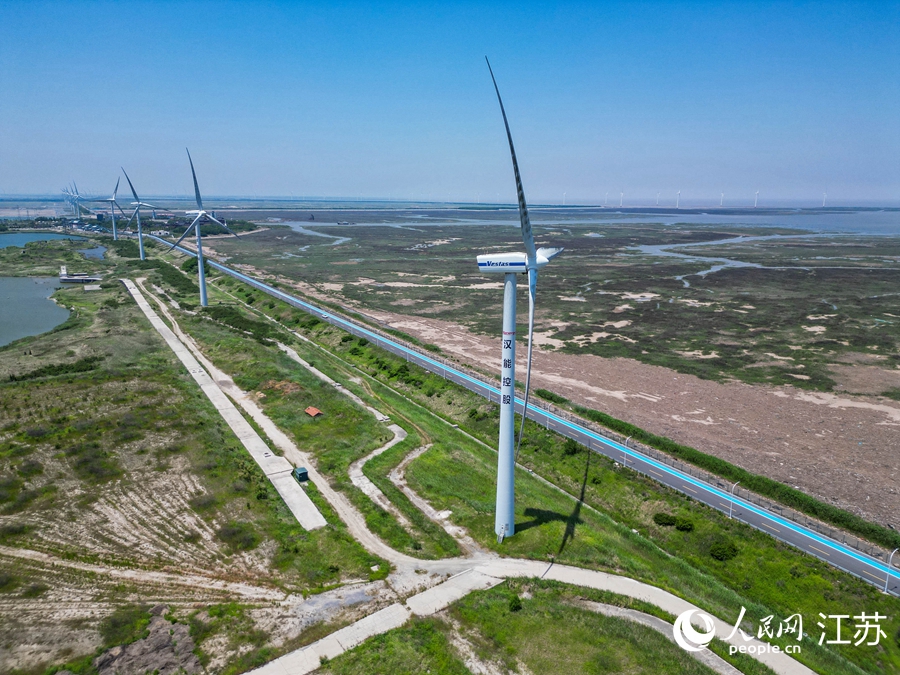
<point x="527" y="236"/>
<point x="133" y="214"/>
<point x="119" y="207"/>
<point x="187" y="231"/>
<point x="116" y="191"/>
<point x="532" y="291"/>
<point x="196" y="187"/>
<point x="222" y="224"/>
<point x="130" y="185"/>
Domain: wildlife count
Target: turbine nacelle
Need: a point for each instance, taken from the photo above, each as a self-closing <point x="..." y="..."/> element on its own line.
<point x="515" y="262"/>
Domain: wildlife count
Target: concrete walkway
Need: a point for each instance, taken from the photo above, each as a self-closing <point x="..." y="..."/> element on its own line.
<point x="438" y="598"/>
<point x="277" y="469"/>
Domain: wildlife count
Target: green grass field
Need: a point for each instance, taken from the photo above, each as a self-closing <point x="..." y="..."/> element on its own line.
<point x="457" y="474"/>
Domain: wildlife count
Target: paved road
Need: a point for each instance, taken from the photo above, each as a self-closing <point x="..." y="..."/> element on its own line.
<point x="832" y="552"/>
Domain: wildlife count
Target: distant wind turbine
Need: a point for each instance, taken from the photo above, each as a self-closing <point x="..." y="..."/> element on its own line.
<point x="824" y="196"/>
<point x="678" y="199"/>
<point x="113" y="205"/>
<point x="756" y="200"/>
<point x="606" y="199"/>
<point x="137" y="204"/>
<point x="621" y="198"/>
<point x="722" y="200"/>
<point x="74" y="196"/>
<point x="657" y="199"/>
<point x="200" y="215"/>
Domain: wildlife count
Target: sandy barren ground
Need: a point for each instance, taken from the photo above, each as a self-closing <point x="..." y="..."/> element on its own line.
<point x="839" y="448"/>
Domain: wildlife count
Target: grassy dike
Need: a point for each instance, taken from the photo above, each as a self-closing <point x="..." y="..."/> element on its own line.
<point x="765" y="576"/>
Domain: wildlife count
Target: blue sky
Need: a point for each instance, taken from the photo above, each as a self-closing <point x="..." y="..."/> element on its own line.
<point x="393" y="100"/>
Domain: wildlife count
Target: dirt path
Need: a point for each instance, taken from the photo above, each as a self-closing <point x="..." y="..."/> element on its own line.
<point x="841" y="449"/>
<point x="148" y="577"/>
<point x="398" y="477"/>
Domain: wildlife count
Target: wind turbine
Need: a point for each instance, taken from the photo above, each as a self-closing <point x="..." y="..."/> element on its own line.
<point x="621" y="199"/>
<point x="113" y="204"/>
<point x="756" y="200"/>
<point x="76" y="199"/>
<point x="722" y="200"/>
<point x="200" y="215"/>
<point x="678" y="199"/>
<point x="510" y="264"/>
<point x="824" y="196"/>
<point x="137" y="204"/>
<point x="657" y="199"/>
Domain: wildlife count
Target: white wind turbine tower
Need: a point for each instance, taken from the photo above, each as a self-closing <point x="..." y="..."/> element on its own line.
<point x="137" y="204"/>
<point x="824" y="197"/>
<point x="195" y="225"/>
<point x="756" y="199"/>
<point x="678" y="200"/>
<point x="722" y="200"/>
<point x="75" y="198"/>
<point x="113" y="205"/>
<point x="657" y="199"/>
<point x="621" y="198"/>
<point x="510" y="264"/>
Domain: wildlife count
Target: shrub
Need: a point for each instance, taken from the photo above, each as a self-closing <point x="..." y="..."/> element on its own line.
<point x="515" y="603"/>
<point x="190" y="266"/>
<point x="684" y="524"/>
<point x="125" y="248"/>
<point x="571" y="448"/>
<point x="125" y="625"/>
<point x="230" y="316"/>
<point x="203" y="502"/>
<point x="92" y="463"/>
<point x="723" y="549"/>
<point x="35" y="590"/>
<point x="178" y="281"/>
<point x="550" y="396"/>
<point x="238" y="535"/>
<point x="80" y="366"/>
<point x="31" y="467"/>
<point x="664" y="519"/>
<point x="13" y="530"/>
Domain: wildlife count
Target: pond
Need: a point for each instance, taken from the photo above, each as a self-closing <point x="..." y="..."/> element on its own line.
<point x="21" y="238"/>
<point x="93" y="253"/>
<point x="26" y="308"/>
